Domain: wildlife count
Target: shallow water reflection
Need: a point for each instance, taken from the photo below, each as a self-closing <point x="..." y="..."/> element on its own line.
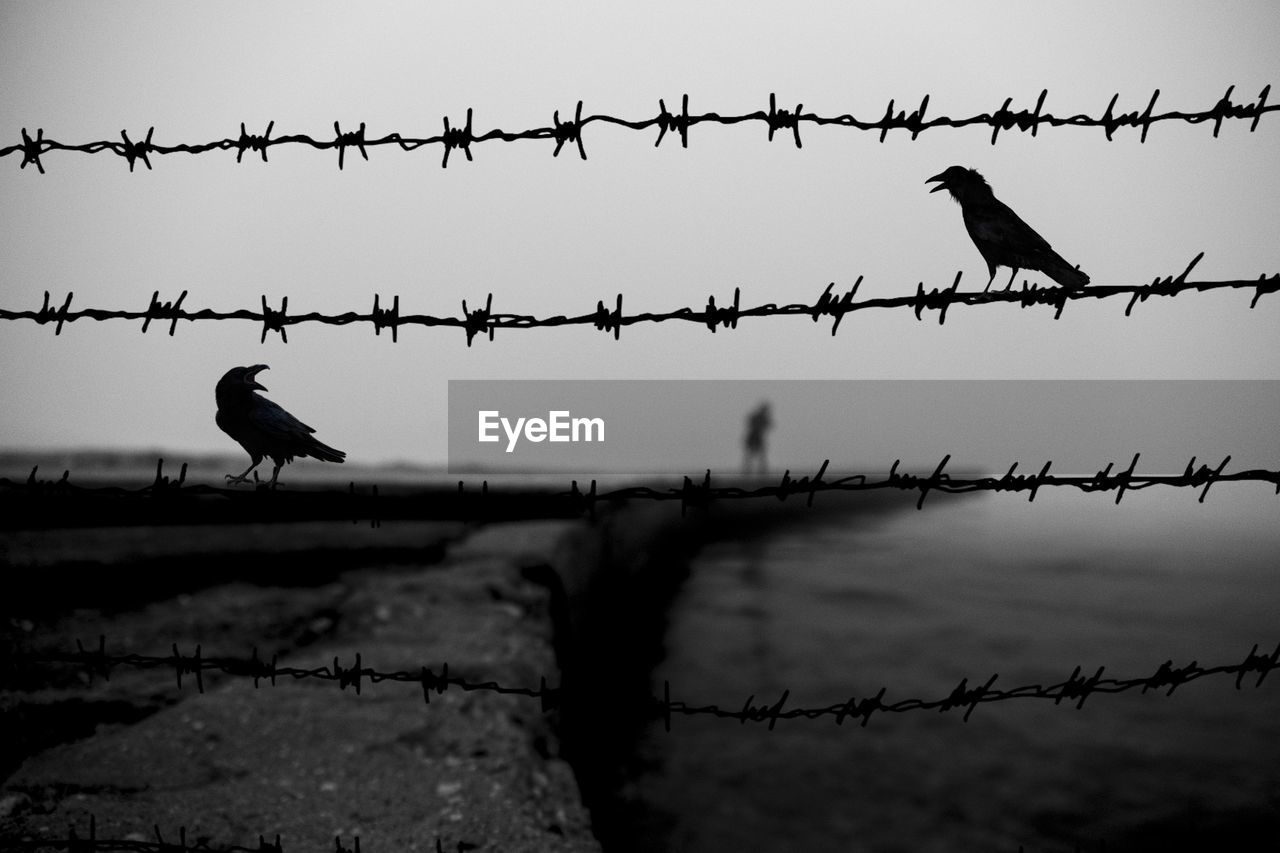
<point x="969" y="587"/>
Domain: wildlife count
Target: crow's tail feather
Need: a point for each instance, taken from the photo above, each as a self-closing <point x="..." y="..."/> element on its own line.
<point x="324" y="452"/>
<point x="1063" y="273"/>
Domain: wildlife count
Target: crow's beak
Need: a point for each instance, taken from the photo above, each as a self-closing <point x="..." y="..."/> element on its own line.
<point x="941" y="186"/>
<point x="252" y="376"/>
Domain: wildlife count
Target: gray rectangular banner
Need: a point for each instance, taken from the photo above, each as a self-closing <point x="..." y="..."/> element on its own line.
<point x="687" y="426"/>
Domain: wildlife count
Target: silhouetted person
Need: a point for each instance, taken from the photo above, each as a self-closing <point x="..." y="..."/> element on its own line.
<point x="1002" y="238"/>
<point x="758" y="423"/>
<point x="262" y="427"/>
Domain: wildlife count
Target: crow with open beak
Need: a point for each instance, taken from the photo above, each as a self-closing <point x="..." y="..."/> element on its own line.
<point x="1002" y="238"/>
<point x="262" y="427"/>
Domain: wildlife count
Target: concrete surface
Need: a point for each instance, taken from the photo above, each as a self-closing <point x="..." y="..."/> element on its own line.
<point x="307" y="760"/>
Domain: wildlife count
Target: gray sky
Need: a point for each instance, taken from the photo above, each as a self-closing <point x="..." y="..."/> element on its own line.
<point x="666" y="227"/>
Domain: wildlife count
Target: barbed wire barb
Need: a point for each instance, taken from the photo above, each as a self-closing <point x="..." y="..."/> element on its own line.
<point x="343" y="141"/>
<point x="32" y="149"/>
<point x="666" y="121"/>
<point x="386" y="317"/>
<point x="456" y="137"/>
<point x="275" y="321"/>
<point x="254" y="143"/>
<point x="134" y="151"/>
<point x="782" y="120"/>
<point x="570" y="131"/>
<point x="60" y="315"/>
<point x="158" y="310"/>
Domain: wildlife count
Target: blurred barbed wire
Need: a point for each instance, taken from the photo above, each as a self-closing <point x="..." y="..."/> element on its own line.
<point x="92" y="843"/>
<point x="42" y="503"/>
<point x="1076" y="688"/>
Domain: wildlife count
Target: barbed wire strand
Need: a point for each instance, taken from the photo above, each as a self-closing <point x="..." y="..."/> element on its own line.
<point x="91" y="843"/>
<point x="1075" y="689"/>
<point x="482" y="321"/>
<point x="564" y="131"/>
<point x="72" y="841"/>
<point x="25" y="497"/>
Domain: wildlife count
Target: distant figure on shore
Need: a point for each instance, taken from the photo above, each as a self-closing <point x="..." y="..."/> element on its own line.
<point x="759" y="422"/>
<point x="1002" y="238"/>
<point x="261" y="426"/>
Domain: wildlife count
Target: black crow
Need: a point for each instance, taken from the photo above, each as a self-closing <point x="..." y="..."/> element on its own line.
<point x="262" y="427"/>
<point x="1002" y="238"/>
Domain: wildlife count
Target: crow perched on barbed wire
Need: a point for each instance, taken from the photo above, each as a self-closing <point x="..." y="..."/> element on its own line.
<point x="261" y="426"/>
<point x="1002" y="238"/>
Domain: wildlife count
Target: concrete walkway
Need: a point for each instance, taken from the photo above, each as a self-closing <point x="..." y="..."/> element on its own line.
<point x="308" y="760"/>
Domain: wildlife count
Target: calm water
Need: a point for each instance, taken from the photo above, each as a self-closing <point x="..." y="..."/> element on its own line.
<point x="971" y="586"/>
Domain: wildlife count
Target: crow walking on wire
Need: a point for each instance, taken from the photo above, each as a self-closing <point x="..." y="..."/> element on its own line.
<point x="262" y="427"/>
<point x="1002" y="238"/>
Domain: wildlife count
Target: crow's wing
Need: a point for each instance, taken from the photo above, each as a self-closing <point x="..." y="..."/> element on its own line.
<point x="1003" y="239"/>
<point x="1002" y="229"/>
<point x="275" y="423"/>
<point x="285" y="436"/>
